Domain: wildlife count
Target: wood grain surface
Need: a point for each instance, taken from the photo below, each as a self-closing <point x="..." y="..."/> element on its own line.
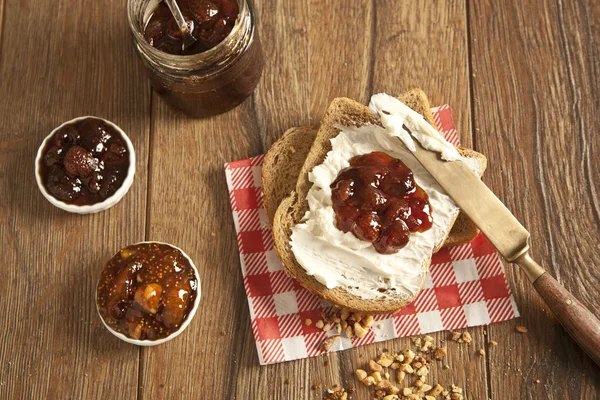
<point x="522" y="77"/>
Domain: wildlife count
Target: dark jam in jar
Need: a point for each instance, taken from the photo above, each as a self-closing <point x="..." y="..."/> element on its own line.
<point x="147" y="291"/>
<point x="209" y="22"/>
<point x="217" y="72"/>
<point x="377" y="199"/>
<point x="84" y="162"/>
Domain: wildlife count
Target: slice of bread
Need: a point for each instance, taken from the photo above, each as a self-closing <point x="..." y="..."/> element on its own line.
<point x="341" y="112"/>
<point x="282" y="165"/>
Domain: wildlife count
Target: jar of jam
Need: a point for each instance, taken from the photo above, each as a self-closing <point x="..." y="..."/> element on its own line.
<point x="216" y="73"/>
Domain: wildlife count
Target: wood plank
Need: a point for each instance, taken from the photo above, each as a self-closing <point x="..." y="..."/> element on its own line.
<point x="424" y="44"/>
<point x="189" y="207"/>
<point x="55" y="65"/>
<point x="535" y="66"/>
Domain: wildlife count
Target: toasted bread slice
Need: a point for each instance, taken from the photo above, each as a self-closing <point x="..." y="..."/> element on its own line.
<point x="341" y="112"/>
<point x="285" y="159"/>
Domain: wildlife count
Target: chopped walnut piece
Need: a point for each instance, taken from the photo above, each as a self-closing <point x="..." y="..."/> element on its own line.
<point x="336" y="394"/>
<point x="349" y="331"/>
<point x="400" y="376"/>
<point x="395" y="365"/>
<point x="440" y="353"/>
<point x="327" y="343"/>
<point x="437" y="389"/>
<point x="406" y="391"/>
<point x="377" y="377"/>
<point x="344" y="315"/>
<point x="423" y="371"/>
<point x="368" y="321"/>
<point x="521" y="329"/>
<point x="394" y="389"/>
<point x="375" y="366"/>
<point x="384" y="384"/>
<point x="361" y="374"/>
<point x="409" y="355"/>
<point x="455" y="336"/>
<point x="385" y="360"/>
<point x="407" y="368"/>
<point x="466" y="337"/>
<point x="359" y="330"/>
<point x="320" y="324"/>
<point x="391" y="397"/>
<point x="369" y="381"/>
<point x="308" y="322"/>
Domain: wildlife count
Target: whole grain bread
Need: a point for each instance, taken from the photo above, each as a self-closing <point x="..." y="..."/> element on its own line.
<point x="341" y="112"/>
<point x="281" y="168"/>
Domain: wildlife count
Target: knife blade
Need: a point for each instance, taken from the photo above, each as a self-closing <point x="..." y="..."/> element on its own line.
<point x="511" y="240"/>
<point x="473" y="197"/>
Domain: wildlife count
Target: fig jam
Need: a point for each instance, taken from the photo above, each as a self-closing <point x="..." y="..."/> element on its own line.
<point x="147" y="291"/>
<point x="377" y="199"/>
<point x="84" y="162"/>
<point x="209" y="22"/>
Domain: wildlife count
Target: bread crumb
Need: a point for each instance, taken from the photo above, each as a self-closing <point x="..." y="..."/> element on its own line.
<point x="287" y="381"/>
<point x="308" y="322"/>
<point x="537" y="381"/>
<point x="481" y="352"/>
<point x="379" y="326"/>
<point x="493" y="343"/>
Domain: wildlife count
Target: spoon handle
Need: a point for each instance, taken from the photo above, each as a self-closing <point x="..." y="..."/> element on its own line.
<point x="183" y="27"/>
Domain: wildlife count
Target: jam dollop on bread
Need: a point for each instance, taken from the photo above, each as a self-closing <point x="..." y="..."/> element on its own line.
<point x="84" y="162"/>
<point x="377" y="199"/>
<point x="147" y="291"/>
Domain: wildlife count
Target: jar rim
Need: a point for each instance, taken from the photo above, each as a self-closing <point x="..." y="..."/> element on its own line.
<point x="191" y="61"/>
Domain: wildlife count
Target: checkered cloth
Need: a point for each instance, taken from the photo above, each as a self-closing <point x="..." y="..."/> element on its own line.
<point x="466" y="287"/>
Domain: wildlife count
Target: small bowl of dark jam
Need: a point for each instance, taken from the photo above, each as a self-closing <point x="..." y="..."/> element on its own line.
<point x="86" y="165"/>
<point x="148" y="293"/>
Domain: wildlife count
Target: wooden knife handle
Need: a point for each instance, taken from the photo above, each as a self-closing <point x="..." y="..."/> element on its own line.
<point x="580" y="323"/>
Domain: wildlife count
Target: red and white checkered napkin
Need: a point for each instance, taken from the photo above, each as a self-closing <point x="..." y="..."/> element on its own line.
<point x="467" y="285"/>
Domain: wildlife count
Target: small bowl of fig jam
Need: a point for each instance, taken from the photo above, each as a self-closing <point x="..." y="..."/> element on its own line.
<point x="85" y="165"/>
<point x="148" y="293"/>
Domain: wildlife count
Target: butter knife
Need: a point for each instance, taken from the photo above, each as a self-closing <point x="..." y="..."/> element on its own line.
<point x="511" y="240"/>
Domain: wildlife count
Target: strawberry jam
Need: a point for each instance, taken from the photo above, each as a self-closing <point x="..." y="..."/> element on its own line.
<point x="85" y="162"/>
<point x="377" y="199"/>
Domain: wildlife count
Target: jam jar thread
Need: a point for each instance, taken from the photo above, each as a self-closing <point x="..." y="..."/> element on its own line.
<point x="207" y="83"/>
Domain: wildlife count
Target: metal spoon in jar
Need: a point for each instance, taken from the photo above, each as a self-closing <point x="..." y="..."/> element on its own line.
<point x="188" y="39"/>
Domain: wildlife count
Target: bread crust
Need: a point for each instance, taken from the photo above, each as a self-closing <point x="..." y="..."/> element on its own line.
<point x="341" y="112"/>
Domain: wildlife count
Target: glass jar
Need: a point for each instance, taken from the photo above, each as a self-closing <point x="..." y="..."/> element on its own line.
<point x="207" y="83"/>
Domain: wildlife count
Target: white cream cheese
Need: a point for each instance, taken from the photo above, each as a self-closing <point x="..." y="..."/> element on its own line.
<point x="395" y="115"/>
<point x="339" y="259"/>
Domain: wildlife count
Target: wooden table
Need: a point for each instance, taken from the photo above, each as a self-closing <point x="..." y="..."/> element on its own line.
<point x="523" y="79"/>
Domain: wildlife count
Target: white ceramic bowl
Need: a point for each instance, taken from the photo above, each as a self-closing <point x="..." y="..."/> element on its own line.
<point x="181" y="328"/>
<point x="94" y="208"/>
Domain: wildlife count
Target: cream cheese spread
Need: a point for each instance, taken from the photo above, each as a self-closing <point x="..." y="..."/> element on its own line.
<point x="340" y="259"/>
